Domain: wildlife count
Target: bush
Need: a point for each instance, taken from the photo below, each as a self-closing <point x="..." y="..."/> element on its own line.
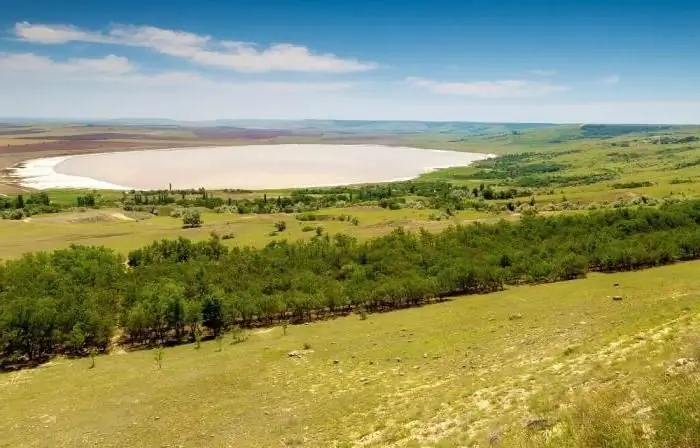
<point x="628" y="185"/>
<point x="313" y="217"/>
<point x="238" y="335"/>
<point x="281" y="226"/>
<point x="226" y="209"/>
<point x="307" y="229"/>
<point x="14" y="214"/>
<point x="176" y="213"/>
<point x="192" y="218"/>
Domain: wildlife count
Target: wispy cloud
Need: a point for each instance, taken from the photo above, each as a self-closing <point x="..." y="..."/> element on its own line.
<point x="545" y="73"/>
<point x="111" y="69"/>
<point x="515" y="88"/>
<point x="199" y="49"/>
<point x="32" y="63"/>
<point x="610" y="80"/>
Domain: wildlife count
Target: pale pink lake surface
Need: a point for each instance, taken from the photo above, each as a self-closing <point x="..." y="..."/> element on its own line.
<point x="247" y="167"/>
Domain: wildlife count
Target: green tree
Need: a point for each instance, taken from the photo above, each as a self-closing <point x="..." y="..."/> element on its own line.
<point x="213" y="314"/>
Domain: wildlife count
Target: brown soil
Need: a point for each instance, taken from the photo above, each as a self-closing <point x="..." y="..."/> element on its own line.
<point x="238" y="133"/>
<point x="94" y="137"/>
<point x="68" y="147"/>
<point x="21" y="131"/>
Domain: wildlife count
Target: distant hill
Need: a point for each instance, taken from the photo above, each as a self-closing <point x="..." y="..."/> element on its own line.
<point x="372" y="126"/>
<point x="534" y="132"/>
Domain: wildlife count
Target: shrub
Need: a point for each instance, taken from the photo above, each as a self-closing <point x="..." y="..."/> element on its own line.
<point x="176" y="213"/>
<point x="238" y="335"/>
<point x="363" y="313"/>
<point x="14" y="214"/>
<point x="627" y="185"/>
<point x="226" y="209"/>
<point x="281" y="226"/>
<point x="307" y="229"/>
<point x="192" y="218"/>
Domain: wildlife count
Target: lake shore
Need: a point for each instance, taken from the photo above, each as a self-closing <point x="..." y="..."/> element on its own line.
<point x="257" y="167"/>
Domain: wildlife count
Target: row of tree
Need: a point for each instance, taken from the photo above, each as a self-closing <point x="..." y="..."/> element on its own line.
<point x="438" y="195"/>
<point x="17" y="207"/>
<point x="74" y="300"/>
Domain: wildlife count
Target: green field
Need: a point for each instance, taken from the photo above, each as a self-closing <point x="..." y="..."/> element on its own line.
<point x="124" y="231"/>
<point x="452" y="374"/>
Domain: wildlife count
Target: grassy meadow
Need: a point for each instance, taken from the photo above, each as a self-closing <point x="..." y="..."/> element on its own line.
<point x="468" y="372"/>
<point x="124" y="231"/>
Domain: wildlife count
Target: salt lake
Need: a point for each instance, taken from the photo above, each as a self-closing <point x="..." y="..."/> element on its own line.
<point x="253" y="167"/>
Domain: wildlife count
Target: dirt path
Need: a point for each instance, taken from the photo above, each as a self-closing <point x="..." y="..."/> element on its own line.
<point x="121" y="216"/>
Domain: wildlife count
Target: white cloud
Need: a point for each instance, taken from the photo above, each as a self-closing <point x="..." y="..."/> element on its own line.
<point x="50" y="34"/>
<point x="32" y="63"/>
<point x="204" y="50"/>
<point x="32" y="68"/>
<point x="544" y="73"/>
<point x="516" y="88"/>
<point x="610" y="80"/>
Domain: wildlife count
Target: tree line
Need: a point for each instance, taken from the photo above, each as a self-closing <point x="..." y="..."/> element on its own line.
<point x="74" y="300"/>
<point x="434" y="195"/>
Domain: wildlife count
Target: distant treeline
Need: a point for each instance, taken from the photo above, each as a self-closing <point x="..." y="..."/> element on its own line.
<point x="74" y="300"/>
<point x="395" y="195"/>
<point x="412" y="194"/>
<point x="21" y="206"/>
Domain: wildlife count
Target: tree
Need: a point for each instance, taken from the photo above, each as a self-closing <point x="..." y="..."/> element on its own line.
<point x="20" y="201"/>
<point x="192" y="218"/>
<point x="213" y="314"/>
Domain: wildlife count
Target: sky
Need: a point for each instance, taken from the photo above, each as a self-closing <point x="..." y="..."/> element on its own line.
<point x="614" y="61"/>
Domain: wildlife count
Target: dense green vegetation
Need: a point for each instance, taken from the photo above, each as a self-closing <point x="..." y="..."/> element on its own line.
<point x="73" y="300"/>
<point x="19" y="206"/>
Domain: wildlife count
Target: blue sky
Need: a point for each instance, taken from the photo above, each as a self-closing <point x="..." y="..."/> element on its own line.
<point x="593" y="61"/>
